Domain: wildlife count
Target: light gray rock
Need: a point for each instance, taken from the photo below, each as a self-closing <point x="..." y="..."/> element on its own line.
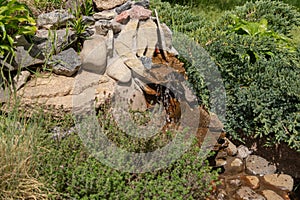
<point x="271" y="195"/>
<point x="56" y="18"/>
<point x="257" y="165"/>
<point x="110" y="44"/>
<point x="146" y="38"/>
<point x="85" y="79"/>
<point x="125" y="43"/>
<point x="243" y="152"/>
<point x="94" y="54"/>
<point x="246" y="193"/>
<point x="119" y="71"/>
<point x="104" y="15"/>
<point x="167" y="37"/>
<point x="66" y="62"/>
<point x="136" y="66"/>
<point x="108" y="4"/>
<point x="281" y="181"/>
<point x="20" y="79"/>
<point x="53" y="41"/>
<point x="102" y="27"/>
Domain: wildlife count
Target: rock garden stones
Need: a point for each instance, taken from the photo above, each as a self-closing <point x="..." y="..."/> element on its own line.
<point x="257" y="165"/>
<point x="66" y="62"/>
<point x="56" y="18"/>
<point x="108" y="4"/>
<point x="282" y="181"/>
<point x="246" y="193"/>
<point x="94" y="55"/>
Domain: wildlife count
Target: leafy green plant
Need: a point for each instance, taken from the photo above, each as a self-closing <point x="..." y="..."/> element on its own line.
<point x="260" y="63"/>
<point x="15" y="20"/>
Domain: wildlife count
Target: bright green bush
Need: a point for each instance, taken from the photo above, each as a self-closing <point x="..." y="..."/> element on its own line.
<point x="260" y="65"/>
<point x="15" y="20"/>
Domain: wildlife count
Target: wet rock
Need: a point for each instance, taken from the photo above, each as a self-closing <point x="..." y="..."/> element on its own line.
<point x="124" y="7"/>
<point x="66" y="62"/>
<point x="222" y="195"/>
<point x="52" y="41"/>
<point x="271" y="195"/>
<point x="281" y="181"/>
<point x="20" y="79"/>
<point x="56" y="18"/>
<point x="119" y="71"/>
<point x="123" y="17"/>
<point x="246" y="193"/>
<point x="257" y="165"/>
<point x="140" y="13"/>
<point x="220" y="162"/>
<point x="243" y="152"/>
<point x="253" y="181"/>
<point x="94" y="54"/>
<point x="143" y="3"/>
<point x="108" y="4"/>
<point x="234" y="166"/>
<point x="146" y="38"/>
<point x="235" y="183"/>
<point x="231" y="149"/>
<point x="104" y="15"/>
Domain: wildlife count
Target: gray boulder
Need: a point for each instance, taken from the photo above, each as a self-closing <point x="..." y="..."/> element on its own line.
<point x="56" y="18"/>
<point x="66" y="63"/>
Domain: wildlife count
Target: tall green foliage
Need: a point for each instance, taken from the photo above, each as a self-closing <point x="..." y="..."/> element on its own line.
<point x="260" y="65"/>
<point x="15" y="19"/>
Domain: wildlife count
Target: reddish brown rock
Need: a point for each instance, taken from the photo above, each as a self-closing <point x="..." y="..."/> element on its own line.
<point x="140" y="13"/>
<point x="123" y="17"/>
<point x="253" y="181"/>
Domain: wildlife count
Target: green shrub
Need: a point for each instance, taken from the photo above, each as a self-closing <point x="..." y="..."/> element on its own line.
<point x="260" y="64"/>
<point x="66" y="167"/>
<point x="15" y="20"/>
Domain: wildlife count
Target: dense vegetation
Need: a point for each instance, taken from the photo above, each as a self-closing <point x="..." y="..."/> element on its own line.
<point x="256" y="48"/>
